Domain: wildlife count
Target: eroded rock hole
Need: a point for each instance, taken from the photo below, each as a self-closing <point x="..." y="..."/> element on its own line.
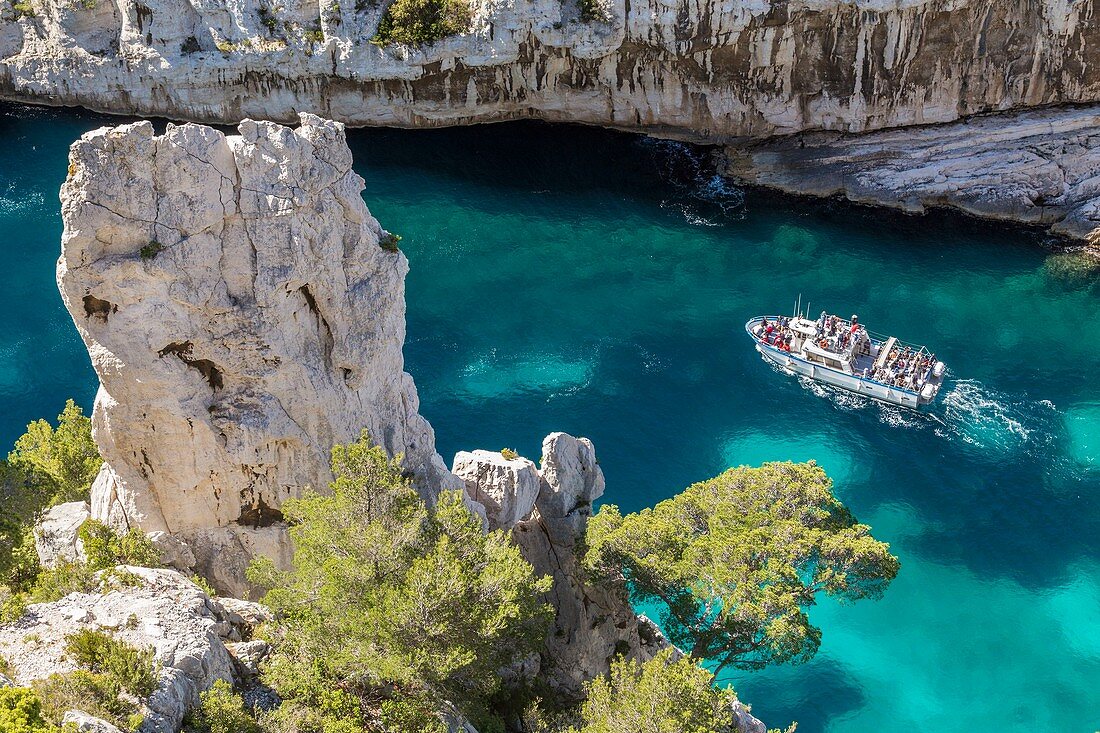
<point x="259" y="514"/>
<point x="100" y="309"/>
<point x="209" y="370"/>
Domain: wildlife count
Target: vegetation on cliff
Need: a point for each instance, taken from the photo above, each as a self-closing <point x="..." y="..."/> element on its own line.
<point x="392" y="606"/>
<point x="49" y="465"/>
<point x="733" y="562"/>
<point x="420" y="22"/>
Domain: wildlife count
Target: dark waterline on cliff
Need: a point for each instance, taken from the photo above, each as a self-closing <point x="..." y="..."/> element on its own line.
<point x="581" y="280"/>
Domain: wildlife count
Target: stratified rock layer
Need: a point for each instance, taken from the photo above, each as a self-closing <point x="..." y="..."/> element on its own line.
<point x="242" y="319"/>
<point x="705" y="71"/>
<point x="1040" y="166"/>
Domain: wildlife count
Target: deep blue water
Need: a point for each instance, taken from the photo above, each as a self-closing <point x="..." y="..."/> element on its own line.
<point x="574" y="279"/>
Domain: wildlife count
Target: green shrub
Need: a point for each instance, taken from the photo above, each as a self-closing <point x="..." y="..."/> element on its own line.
<point x="151" y="250"/>
<point x="23" y="9"/>
<point x="389" y="241"/>
<point x="661" y="695"/>
<point x="61" y="462"/>
<point x="204" y="584"/>
<point x="58" y="582"/>
<point x="221" y="710"/>
<point x="591" y="10"/>
<point x="21" y="712"/>
<point x="12" y="606"/>
<point x="268" y="19"/>
<point x="420" y="22"/>
<point x="105" y="548"/>
<point x="509" y="454"/>
<point x="101" y="653"/>
<point x="392" y="604"/>
<point x="314" y="34"/>
<point x="96" y="694"/>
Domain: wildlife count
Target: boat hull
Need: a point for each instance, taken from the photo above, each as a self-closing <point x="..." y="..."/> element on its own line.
<point x="795" y="365"/>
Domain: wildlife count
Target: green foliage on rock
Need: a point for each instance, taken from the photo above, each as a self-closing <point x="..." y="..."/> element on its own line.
<point x="420" y="22"/>
<point x="392" y="607"/>
<point x="21" y="712"/>
<point x="48" y="465"/>
<point x="96" y="694"/>
<point x="61" y="580"/>
<point x="734" y="561"/>
<point x="62" y="461"/>
<point x="659" y="696"/>
<point x="591" y="10"/>
<point x="113" y="675"/>
<point x="221" y="710"/>
<point x="390" y="242"/>
<point x="105" y="548"/>
<point x="151" y="250"/>
<point x="101" y="653"/>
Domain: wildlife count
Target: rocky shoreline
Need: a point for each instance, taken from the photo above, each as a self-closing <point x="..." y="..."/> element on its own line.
<point x="1039" y="167"/>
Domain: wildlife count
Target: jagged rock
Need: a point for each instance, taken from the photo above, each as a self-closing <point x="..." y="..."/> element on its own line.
<point x="248" y="655"/>
<point x="710" y="71"/>
<point x="1041" y="167"/>
<point x="55" y="533"/>
<point x="593" y="624"/>
<point x="174" y="552"/>
<point x="572" y="480"/>
<point x="5" y="682"/>
<point x="507" y="489"/>
<point x="746" y="723"/>
<point x="244" y="615"/>
<point x="166" y="612"/>
<point x="242" y="318"/>
<point x="87" y="723"/>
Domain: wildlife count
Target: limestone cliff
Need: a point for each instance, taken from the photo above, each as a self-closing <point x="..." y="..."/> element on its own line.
<point x="1038" y="166"/>
<point x="242" y="318"/>
<point x="700" y="70"/>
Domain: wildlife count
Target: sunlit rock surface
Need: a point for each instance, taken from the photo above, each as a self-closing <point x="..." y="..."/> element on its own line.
<point x="242" y="319"/>
<point x="1039" y="166"/>
<point x="165" y="612"/>
<point x="705" y="71"/>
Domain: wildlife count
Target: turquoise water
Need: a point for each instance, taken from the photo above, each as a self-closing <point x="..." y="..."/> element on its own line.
<point x="573" y="279"/>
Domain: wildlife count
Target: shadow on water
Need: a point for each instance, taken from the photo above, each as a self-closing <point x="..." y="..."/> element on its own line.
<point x="829" y="694"/>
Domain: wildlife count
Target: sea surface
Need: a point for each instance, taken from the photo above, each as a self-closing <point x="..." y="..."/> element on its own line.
<point x="573" y="279"/>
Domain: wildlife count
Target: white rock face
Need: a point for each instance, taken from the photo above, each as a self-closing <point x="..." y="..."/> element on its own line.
<point x="242" y="319"/>
<point x="506" y="489"/>
<point x="167" y="613"/>
<point x="706" y="71"/>
<point x="88" y="723"/>
<point x="1041" y="167"/>
<point x="55" y="533"/>
<point x="548" y="511"/>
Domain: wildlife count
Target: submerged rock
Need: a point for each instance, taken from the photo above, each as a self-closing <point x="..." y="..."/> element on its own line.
<point x="242" y="319"/>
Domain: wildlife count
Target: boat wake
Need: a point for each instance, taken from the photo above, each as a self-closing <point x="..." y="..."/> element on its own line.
<point x="985" y="420"/>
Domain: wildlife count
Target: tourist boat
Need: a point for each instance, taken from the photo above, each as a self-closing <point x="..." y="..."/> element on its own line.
<point x="843" y="353"/>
